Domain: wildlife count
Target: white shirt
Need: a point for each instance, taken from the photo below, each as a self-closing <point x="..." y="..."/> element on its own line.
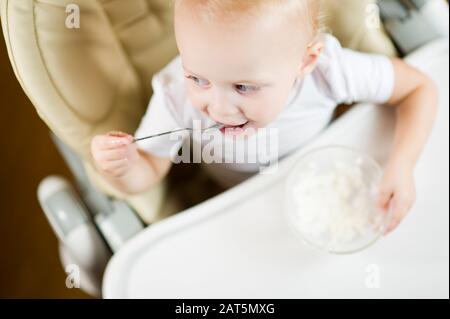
<point x="341" y="76"/>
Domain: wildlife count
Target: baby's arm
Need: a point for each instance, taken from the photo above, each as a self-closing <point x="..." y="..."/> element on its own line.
<point x="129" y="169"/>
<point x="415" y="97"/>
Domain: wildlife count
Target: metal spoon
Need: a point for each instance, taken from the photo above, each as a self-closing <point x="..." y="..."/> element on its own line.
<point x="218" y="126"/>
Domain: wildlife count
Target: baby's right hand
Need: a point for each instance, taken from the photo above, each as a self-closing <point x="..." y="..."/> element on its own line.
<point x="114" y="153"/>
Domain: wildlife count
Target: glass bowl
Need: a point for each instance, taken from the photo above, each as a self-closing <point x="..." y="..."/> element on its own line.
<point x="331" y="198"/>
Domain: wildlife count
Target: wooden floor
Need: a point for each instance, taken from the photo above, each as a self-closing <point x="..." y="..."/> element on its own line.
<point x="29" y="264"/>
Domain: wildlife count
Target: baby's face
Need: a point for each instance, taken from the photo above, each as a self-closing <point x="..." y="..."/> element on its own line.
<point x="240" y="72"/>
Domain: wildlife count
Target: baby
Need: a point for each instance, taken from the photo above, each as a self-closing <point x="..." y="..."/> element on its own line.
<point x="265" y="64"/>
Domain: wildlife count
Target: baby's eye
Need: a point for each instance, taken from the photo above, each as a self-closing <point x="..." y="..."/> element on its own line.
<point x="199" y="82"/>
<point x="246" y="88"/>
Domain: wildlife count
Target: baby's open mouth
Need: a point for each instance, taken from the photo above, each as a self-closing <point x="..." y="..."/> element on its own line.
<point x="235" y="126"/>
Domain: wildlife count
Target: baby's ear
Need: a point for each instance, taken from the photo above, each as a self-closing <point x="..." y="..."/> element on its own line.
<point x="311" y="57"/>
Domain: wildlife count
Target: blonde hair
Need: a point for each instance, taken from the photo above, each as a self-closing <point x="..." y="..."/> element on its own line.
<point x="230" y="10"/>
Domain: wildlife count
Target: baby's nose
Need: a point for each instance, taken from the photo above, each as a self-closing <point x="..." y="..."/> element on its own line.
<point x="221" y="102"/>
<point x="223" y="108"/>
<point x="223" y="114"/>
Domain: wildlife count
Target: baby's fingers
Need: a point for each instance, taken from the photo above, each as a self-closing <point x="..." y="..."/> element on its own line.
<point x="111" y="141"/>
<point x="383" y="204"/>
<point x="111" y="155"/>
<point x="394" y="224"/>
<point x="384" y="198"/>
<point x="115" y="168"/>
<point x="121" y="136"/>
<point x="400" y="208"/>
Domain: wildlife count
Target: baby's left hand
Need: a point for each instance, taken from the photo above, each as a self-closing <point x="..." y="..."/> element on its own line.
<point x="397" y="192"/>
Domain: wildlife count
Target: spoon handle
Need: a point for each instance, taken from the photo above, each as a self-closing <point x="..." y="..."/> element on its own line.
<point x="170" y="132"/>
<point x="160" y="134"/>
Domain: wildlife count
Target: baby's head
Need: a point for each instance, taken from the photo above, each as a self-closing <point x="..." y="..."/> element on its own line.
<point x="242" y="57"/>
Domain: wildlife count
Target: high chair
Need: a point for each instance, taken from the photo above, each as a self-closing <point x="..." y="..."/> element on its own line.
<point x="93" y="77"/>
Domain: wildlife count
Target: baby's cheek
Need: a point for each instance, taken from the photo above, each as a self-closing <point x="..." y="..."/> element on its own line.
<point x="196" y="101"/>
<point x="269" y="111"/>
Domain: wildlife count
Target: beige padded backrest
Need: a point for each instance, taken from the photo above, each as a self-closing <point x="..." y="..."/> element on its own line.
<point x="356" y="23"/>
<point x="93" y="79"/>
